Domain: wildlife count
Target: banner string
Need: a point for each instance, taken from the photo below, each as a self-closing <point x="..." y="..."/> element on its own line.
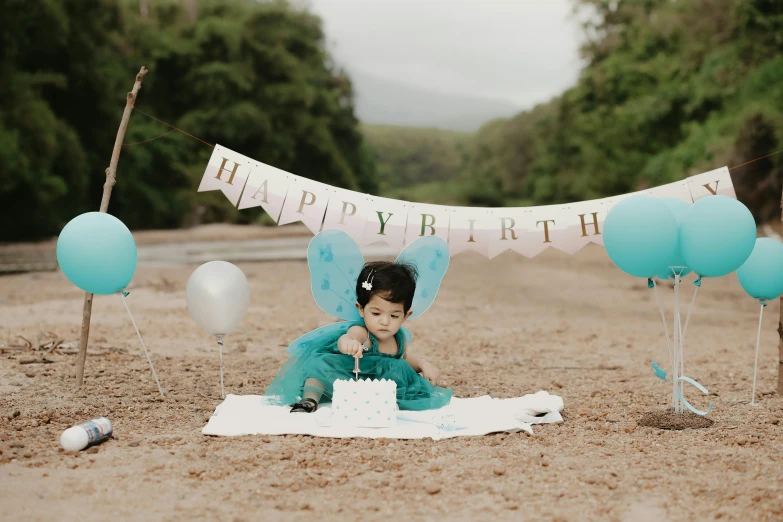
<point x="173" y="128"/>
<point x="757" y="159"/>
<point x="151" y="139"/>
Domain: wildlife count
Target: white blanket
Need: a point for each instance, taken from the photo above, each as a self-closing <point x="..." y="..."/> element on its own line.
<point x="253" y="415"/>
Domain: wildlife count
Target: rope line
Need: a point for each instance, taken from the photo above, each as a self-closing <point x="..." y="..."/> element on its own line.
<point x="211" y="145"/>
<point x="173" y="127"/>
<point x="757" y="159"/>
<point x="151" y="139"/>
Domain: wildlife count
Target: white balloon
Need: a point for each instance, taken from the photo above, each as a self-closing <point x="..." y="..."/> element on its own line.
<point x="217" y="297"/>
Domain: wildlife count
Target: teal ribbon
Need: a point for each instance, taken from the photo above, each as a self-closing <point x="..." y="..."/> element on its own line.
<point x="659" y="372"/>
<point x="686" y="403"/>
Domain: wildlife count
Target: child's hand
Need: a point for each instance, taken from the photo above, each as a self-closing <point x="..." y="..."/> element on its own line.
<point x="352" y="347"/>
<point x="431" y="373"/>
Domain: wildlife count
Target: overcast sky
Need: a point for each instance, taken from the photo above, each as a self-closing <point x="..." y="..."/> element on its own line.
<point x="524" y="51"/>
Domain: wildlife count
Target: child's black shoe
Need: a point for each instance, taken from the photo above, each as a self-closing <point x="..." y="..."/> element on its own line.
<point x="306" y="405"/>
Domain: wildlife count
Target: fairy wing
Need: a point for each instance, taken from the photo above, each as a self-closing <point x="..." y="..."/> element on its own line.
<point x="430" y="256"/>
<point x="335" y="261"/>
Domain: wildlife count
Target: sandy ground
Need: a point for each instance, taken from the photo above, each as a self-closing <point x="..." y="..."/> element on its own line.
<point x="572" y="325"/>
<point x="212" y="232"/>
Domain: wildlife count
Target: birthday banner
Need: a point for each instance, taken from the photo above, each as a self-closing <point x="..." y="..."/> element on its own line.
<point x="288" y="198"/>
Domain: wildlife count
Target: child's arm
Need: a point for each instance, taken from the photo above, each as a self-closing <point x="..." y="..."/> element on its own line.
<point x="350" y="343"/>
<point x="419" y="365"/>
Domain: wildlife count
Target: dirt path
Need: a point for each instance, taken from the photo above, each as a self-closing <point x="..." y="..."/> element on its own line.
<point x="572" y="325"/>
<point x="233" y="243"/>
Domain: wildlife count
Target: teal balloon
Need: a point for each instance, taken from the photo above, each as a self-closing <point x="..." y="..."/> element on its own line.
<point x="717" y="236"/>
<point x="97" y="253"/>
<point x="679" y="208"/>
<point x="761" y="276"/>
<point x="640" y="236"/>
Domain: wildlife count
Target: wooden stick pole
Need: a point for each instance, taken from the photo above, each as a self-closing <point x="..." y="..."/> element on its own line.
<point x="111" y="176"/>
<point x="780" y="349"/>
<point x="780" y="321"/>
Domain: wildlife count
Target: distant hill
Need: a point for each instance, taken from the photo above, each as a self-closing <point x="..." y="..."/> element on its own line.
<point x="383" y="101"/>
<point x="417" y="164"/>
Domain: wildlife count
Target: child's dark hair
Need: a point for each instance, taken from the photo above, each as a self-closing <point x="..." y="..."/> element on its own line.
<point x="394" y="282"/>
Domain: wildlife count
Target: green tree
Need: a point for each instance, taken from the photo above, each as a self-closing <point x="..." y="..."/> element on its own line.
<point x="408" y="156"/>
<point x="252" y="76"/>
<point x="669" y="89"/>
<point x="46" y="145"/>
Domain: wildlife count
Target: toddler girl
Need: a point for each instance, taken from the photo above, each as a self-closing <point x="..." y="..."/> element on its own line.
<point x="385" y="292"/>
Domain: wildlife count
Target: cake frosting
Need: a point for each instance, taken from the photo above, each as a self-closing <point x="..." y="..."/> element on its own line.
<point x="365" y="403"/>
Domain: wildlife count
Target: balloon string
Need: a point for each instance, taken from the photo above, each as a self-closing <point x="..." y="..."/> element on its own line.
<point x="677" y="348"/>
<point x="220" y="348"/>
<point x="682" y="336"/>
<point x="756" y="363"/>
<point x="142" y="344"/>
<point x="663" y="318"/>
<point x="688" y="317"/>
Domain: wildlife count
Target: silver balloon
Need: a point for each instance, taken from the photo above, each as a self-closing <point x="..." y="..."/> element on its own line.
<point x="217" y="297"/>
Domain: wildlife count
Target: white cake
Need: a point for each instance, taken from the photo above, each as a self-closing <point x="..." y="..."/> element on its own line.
<point x="364" y="403"/>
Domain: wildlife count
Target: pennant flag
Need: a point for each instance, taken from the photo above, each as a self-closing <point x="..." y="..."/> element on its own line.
<point x="469" y="229"/>
<point x="714" y="182"/>
<point x="306" y="201"/>
<point x="577" y="225"/>
<point x="227" y="171"/>
<point x="347" y="211"/>
<point x="427" y="220"/>
<point x="526" y="230"/>
<point x="386" y="220"/>
<point x="266" y="187"/>
<point x="369" y="219"/>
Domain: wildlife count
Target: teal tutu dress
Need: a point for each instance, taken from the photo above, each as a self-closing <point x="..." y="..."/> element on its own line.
<point x="315" y="355"/>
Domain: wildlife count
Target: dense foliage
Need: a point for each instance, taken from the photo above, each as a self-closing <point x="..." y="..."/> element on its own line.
<point x="670" y="89"/>
<point x="409" y="160"/>
<point x="252" y="76"/>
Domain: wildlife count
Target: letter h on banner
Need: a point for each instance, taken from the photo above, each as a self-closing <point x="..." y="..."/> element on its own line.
<point x="227" y="171"/>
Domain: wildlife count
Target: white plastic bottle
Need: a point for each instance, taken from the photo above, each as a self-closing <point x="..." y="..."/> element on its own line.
<point x="82" y="435"/>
